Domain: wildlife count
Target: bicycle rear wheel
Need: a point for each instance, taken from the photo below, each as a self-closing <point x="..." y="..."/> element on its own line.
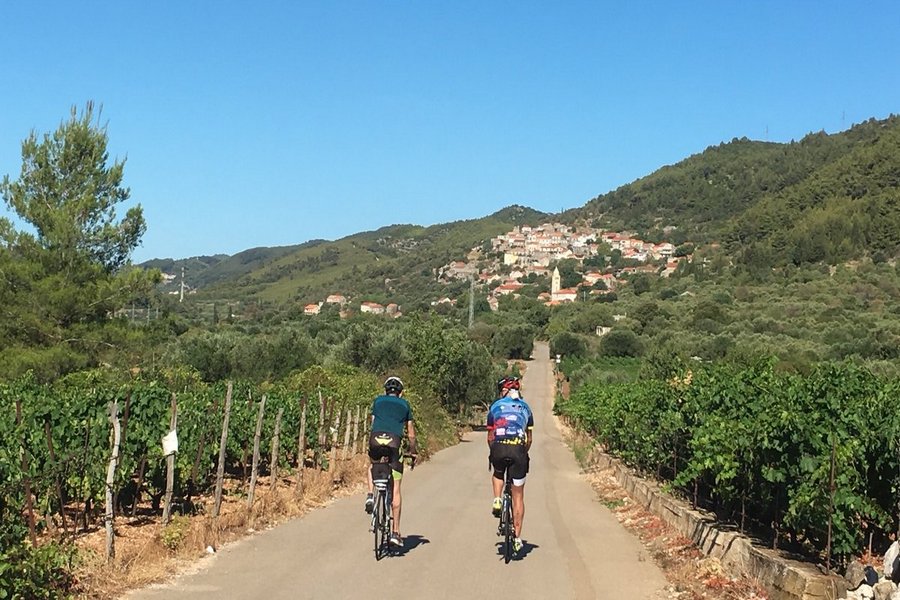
<point x="508" y="527"/>
<point x="379" y="526"/>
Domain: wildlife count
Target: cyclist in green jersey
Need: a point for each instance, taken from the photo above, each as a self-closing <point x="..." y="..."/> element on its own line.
<point x="391" y="416"/>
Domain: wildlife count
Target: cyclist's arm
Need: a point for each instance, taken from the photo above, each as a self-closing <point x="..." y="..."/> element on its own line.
<point x="529" y="432"/>
<point x="490" y="427"/>
<point x="411" y="434"/>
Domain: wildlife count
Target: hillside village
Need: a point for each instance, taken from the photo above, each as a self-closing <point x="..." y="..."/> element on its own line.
<point x="508" y="262"/>
<point x="528" y="252"/>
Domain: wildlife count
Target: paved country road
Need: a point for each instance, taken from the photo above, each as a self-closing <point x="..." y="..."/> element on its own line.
<point x="574" y="547"/>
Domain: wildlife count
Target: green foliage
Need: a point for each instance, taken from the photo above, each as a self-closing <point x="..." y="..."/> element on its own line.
<point x="173" y="534"/>
<point x="569" y="273"/>
<point x="68" y="194"/>
<point x="68" y="272"/>
<point x="761" y="441"/>
<point x="514" y="341"/>
<point x="456" y="370"/>
<point x="44" y="572"/>
<point x="567" y="344"/>
<point x="620" y="342"/>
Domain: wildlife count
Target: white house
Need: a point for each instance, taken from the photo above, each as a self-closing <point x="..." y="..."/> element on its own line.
<point x="566" y="295"/>
<point x="372" y="308"/>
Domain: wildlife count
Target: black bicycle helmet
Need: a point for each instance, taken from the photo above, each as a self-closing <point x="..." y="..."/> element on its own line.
<point x="393" y="385"/>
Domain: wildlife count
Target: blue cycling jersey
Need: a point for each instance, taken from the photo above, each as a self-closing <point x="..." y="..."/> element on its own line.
<point x="509" y="419"/>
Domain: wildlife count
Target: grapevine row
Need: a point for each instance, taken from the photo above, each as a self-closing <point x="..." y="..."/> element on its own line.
<point x="56" y="440"/>
<point x="811" y="461"/>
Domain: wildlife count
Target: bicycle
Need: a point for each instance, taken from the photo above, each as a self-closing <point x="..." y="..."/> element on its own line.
<point x="382" y="515"/>
<point x="506" y="529"/>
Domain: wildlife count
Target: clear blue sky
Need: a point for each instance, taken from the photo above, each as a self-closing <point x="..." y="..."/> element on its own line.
<point x="270" y="123"/>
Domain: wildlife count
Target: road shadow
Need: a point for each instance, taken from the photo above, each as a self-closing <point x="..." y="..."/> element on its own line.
<point x="411" y="542"/>
<point x="527" y="547"/>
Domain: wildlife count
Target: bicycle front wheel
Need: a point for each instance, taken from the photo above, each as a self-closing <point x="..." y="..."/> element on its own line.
<point x="379" y="519"/>
<point x="508" y="528"/>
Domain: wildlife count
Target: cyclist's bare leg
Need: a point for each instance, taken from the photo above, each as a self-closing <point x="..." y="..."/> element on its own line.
<point x="518" y="502"/>
<point x="395" y="506"/>
<point x="497" y="485"/>
<point x="369" y="479"/>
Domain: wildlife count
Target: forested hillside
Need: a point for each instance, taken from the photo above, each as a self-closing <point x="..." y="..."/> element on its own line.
<point x="824" y="197"/>
<point x="394" y="263"/>
<point x="202" y="271"/>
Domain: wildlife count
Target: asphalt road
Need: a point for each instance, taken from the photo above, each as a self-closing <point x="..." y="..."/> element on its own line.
<point x="574" y="547"/>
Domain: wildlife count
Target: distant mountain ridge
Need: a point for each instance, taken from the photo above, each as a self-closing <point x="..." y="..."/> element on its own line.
<point x="202" y="271"/>
<point x="824" y="198"/>
<point x="363" y="263"/>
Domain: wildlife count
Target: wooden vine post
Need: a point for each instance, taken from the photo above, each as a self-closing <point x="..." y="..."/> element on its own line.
<point x="29" y="506"/>
<point x="170" y="465"/>
<point x="273" y="463"/>
<point x="332" y="459"/>
<point x="245" y="449"/>
<point x="301" y="447"/>
<point x="220" y="468"/>
<point x="322" y="430"/>
<point x="110" y="480"/>
<point x="255" y="469"/>
<point x="356" y="432"/>
<point x="346" y="450"/>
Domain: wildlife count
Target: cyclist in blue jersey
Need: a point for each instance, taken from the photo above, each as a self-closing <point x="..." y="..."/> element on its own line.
<point x="391" y="415"/>
<point x="509" y="424"/>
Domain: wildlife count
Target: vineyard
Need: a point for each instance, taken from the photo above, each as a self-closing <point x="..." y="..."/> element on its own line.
<point x="86" y="450"/>
<point x="809" y="462"/>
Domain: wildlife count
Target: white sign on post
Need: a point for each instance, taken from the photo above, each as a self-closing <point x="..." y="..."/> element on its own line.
<point x="170" y="443"/>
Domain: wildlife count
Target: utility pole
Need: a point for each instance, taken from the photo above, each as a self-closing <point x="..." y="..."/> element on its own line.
<point x="471" y="302"/>
<point x="181" y="297"/>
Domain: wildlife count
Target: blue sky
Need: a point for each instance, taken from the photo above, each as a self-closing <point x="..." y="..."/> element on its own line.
<point x="272" y="123"/>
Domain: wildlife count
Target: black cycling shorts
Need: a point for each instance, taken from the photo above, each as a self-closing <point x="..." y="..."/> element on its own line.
<point x="383" y="444"/>
<point x="517" y="456"/>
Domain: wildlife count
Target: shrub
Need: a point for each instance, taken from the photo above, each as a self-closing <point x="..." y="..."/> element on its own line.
<point x="173" y="534"/>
